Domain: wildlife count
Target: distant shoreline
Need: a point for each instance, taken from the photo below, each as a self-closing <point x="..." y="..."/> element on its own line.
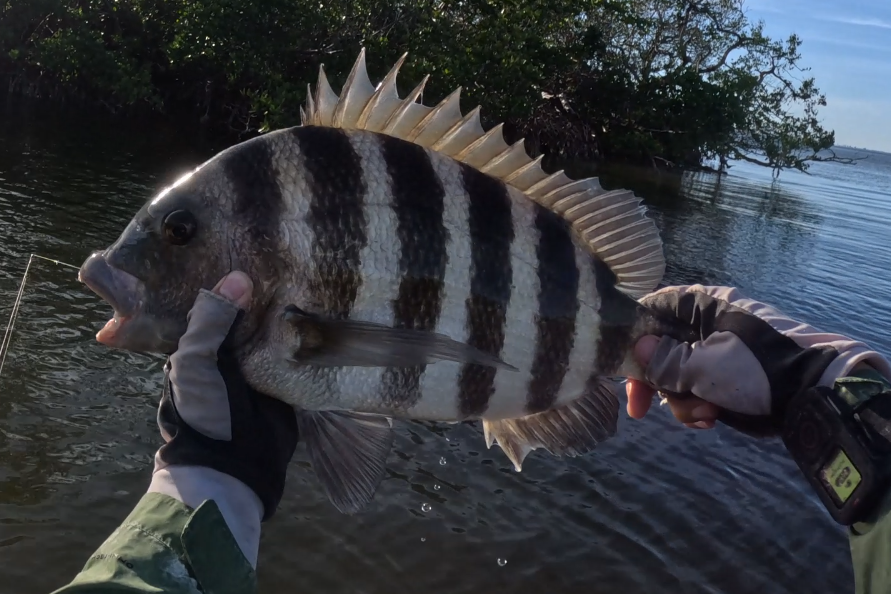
<point x="860" y="148"/>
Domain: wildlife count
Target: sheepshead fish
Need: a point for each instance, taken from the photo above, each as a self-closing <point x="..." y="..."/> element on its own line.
<point x="407" y="264"/>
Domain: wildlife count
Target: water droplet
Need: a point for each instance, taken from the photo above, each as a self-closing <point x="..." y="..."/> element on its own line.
<point x="442" y="461"/>
<point x="425" y="507"/>
<point x="502" y="562"/>
<point x="423" y="539"/>
<point x="436" y="487"/>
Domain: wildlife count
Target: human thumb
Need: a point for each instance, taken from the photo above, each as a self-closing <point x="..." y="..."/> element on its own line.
<point x="644" y="349"/>
<point x="665" y="361"/>
<point x="236" y="287"/>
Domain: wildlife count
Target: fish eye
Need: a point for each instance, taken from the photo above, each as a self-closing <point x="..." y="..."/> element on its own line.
<point x="180" y="227"/>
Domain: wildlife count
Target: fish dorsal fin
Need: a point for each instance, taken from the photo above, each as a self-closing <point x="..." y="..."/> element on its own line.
<point x="614" y="224"/>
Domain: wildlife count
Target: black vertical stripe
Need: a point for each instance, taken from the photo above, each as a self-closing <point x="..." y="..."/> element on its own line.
<point x="250" y="169"/>
<point x="558" y="305"/>
<point x="618" y="313"/>
<point x="419" y="206"/>
<point x="257" y="206"/>
<point x="491" y="229"/>
<point x="336" y="216"/>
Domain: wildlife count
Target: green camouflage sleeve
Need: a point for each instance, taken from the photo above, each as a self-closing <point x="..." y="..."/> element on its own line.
<point x="165" y="546"/>
<point x="871" y="551"/>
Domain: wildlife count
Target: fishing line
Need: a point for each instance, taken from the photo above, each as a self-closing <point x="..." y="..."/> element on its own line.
<point x="7" y="336"/>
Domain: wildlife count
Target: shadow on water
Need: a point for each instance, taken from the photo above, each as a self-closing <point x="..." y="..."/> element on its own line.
<point x="657" y="509"/>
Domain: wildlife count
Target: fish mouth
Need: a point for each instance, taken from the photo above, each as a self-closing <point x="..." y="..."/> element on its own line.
<point x="123" y="291"/>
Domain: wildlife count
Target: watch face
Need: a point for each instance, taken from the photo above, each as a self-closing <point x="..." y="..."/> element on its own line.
<point x="811" y="436"/>
<point x="840" y="476"/>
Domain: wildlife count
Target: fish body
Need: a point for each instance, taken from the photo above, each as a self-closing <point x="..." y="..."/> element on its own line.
<point x="406" y="265"/>
<point x="376" y="229"/>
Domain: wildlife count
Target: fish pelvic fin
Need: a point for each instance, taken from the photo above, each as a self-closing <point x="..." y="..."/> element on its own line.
<point x="348" y="452"/>
<point x="614" y="224"/>
<point x="570" y="430"/>
<point x="329" y="342"/>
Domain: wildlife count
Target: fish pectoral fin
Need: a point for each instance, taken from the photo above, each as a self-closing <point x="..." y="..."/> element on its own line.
<point x="570" y="430"/>
<point x="350" y="343"/>
<point x="348" y="452"/>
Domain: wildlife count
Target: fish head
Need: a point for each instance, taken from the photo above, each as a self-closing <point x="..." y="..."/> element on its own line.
<point x="183" y="240"/>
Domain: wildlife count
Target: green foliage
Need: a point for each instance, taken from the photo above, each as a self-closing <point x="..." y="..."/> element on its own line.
<point x="681" y="82"/>
<point x="93" y="47"/>
<point x="673" y="83"/>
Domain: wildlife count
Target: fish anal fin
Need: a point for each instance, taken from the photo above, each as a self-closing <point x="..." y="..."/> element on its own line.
<point x="570" y="430"/>
<point x="348" y="452"/>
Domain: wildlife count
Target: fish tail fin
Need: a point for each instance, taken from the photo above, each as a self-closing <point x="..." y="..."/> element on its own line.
<point x="569" y="430"/>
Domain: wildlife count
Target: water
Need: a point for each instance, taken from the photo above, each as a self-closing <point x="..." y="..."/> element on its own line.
<point x="658" y="508"/>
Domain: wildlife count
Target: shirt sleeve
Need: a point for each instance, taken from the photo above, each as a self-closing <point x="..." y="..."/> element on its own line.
<point x="166" y="546"/>
<point x="871" y="550"/>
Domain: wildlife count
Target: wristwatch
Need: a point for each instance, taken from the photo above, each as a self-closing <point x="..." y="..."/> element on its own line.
<point x="840" y="438"/>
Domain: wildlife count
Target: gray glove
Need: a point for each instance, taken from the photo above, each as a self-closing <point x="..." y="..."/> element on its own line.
<point x="214" y="424"/>
<point x="751" y="358"/>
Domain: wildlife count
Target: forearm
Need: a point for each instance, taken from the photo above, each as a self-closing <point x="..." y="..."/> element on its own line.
<point x="240" y="507"/>
<point x="870" y="540"/>
<point x="167" y="546"/>
<point x="871" y="550"/>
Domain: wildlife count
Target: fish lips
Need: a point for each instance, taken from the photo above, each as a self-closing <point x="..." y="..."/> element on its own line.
<point x="123" y="291"/>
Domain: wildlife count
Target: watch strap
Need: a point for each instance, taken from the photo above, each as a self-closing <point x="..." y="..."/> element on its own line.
<point x="868" y="394"/>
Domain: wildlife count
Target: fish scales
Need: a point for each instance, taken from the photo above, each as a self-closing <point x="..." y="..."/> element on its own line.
<point x="558" y="306"/>
<point x="253" y="178"/>
<point x="491" y="234"/>
<point x="336" y="224"/>
<point x="378" y="259"/>
<point x="419" y="206"/>
<point x="381" y="254"/>
<point x="544" y="295"/>
<point x="617" y="321"/>
<point x="337" y="217"/>
<point x="583" y="357"/>
<point x="522" y="288"/>
<point x="537" y="308"/>
<point x="442" y="379"/>
<point x="431" y="272"/>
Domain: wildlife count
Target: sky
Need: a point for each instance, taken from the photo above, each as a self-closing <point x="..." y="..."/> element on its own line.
<point x="847" y="46"/>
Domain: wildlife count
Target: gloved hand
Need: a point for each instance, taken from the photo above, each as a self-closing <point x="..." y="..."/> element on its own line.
<point x="223" y="440"/>
<point x="749" y="362"/>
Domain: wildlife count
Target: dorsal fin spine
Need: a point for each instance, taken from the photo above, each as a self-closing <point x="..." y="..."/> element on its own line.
<point x="534" y="188"/>
<point x="351" y="96"/>
<point x="452" y="102"/>
<point x="473" y="152"/>
<point x="396" y="116"/>
<point x="509" y="179"/>
<point x="514" y="153"/>
<point x="387" y="86"/>
<point x="614" y="224"/>
<point x="311" y="111"/>
<point x="466" y="125"/>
